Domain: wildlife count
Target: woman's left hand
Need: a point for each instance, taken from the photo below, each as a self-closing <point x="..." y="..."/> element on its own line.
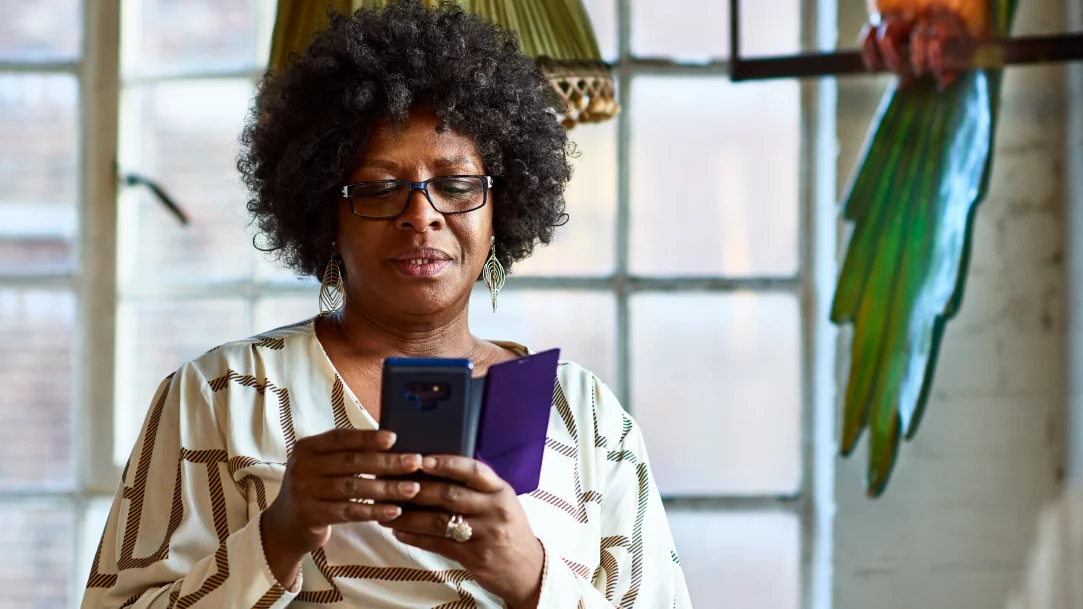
<point x="502" y="553"/>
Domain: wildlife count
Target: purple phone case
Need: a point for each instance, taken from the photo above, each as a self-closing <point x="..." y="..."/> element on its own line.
<point x="515" y="418"/>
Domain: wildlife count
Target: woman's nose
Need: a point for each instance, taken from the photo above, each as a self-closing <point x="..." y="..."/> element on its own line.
<point x="419" y="214"/>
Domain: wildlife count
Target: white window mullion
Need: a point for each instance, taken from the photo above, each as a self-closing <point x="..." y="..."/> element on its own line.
<point x="624" y="86"/>
<point x="95" y="283"/>
<point x="96" y="278"/>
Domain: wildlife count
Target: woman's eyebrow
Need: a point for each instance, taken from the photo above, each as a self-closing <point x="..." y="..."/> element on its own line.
<point x="378" y="164"/>
<point x="455" y="161"/>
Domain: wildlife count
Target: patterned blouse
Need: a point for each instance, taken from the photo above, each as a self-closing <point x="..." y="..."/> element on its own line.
<point x="184" y="529"/>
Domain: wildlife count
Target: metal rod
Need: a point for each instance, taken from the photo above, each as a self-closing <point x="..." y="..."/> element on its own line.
<point x="797" y="66"/>
<point x="735" y="32"/>
<point x="991" y="54"/>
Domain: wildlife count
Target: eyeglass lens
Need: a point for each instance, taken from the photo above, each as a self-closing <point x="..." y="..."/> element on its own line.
<point x="389" y="198"/>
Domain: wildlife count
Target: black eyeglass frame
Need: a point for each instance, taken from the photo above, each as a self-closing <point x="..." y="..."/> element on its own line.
<point x="347" y="192"/>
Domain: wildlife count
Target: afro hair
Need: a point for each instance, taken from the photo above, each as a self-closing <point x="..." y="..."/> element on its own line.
<point x="311" y="121"/>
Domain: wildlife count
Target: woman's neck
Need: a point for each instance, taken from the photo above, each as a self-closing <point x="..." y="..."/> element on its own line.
<point x="372" y="335"/>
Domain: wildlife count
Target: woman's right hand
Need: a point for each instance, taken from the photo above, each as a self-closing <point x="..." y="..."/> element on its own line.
<point x="321" y="488"/>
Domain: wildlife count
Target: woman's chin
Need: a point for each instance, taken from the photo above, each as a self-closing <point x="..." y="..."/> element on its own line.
<point x="421" y="298"/>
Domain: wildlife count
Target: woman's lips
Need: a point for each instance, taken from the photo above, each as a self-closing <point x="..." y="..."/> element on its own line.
<point x="421" y="267"/>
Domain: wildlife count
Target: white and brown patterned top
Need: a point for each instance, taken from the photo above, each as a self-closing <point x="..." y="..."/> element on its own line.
<point x="183" y="530"/>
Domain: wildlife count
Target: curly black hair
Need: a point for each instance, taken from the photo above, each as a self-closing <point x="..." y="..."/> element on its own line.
<point x="311" y="121"/>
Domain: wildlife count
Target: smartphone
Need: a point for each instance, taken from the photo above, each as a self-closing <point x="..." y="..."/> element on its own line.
<point x="432" y="405"/>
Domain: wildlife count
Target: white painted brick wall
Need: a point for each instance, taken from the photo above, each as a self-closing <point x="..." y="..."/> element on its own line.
<point x="954" y="526"/>
<point x="1074" y="215"/>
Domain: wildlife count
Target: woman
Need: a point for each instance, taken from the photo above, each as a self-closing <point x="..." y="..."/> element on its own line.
<point x="403" y="152"/>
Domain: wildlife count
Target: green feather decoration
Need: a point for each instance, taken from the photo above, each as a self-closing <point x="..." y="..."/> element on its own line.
<point x="924" y="169"/>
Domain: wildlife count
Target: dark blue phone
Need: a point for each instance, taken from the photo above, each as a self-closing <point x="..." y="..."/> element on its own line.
<point x="432" y="405"/>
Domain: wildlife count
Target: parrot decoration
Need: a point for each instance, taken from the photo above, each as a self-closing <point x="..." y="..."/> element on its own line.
<point x="924" y="169"/>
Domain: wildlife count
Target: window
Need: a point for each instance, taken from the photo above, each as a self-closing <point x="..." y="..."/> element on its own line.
<point x="683" y="278"/>
<point x="47" y="203"/>
<point x="188" y="74"/>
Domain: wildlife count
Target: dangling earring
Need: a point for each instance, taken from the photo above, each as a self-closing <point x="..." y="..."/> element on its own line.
<point x="493" y="274"/>
<point x="332" y="289"/>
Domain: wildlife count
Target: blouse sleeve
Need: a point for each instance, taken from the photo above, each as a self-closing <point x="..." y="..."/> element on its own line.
<point x="639" y="566"/>
<point x="178" y="532"/>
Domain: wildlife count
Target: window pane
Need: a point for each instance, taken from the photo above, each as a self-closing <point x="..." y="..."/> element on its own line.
<point x="190" y="35"/>
<point x="36" y="554"/>
<point x="36" y="334"/>
<point x="153" y="339"/>
<point x="581" y="324"/>
<point x="184" y="135"/>
<point x="41" y="30"/>
<point x="714" y="177"/>
<point x="716" y="380"/>
<point x="584" y="246"/>
<point x="739" y="561"/>
<point x="278" y="311"/>
<point x="694" y="30"/>
<point x="95" y="516"/>
<point x="681" y="29"/>
<point x="38" y="172"/>
<point x="603" y="18"/>
<point x="269" y="269"/>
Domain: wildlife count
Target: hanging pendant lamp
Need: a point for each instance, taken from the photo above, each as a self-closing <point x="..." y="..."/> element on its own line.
<point x="557" y="33"/>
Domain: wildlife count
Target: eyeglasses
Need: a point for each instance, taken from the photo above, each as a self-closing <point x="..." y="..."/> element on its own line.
<point x="389" y="198"/>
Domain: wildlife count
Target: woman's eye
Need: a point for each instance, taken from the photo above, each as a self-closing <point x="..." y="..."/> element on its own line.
<point x="457" y="188"/>
<point x="374" y="192"/>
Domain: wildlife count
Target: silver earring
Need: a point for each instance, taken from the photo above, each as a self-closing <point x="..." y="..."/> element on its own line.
<point x="493" y="274"/>
<point x="332" y="289"/>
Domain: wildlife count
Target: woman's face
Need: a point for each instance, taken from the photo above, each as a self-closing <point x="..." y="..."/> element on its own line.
<point x="381" y="256"/>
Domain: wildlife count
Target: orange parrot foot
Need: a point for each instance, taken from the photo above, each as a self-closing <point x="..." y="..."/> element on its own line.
<point x="934" y="43"/>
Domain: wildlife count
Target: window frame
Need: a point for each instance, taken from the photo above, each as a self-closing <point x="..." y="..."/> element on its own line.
<point x="92" y="278"/>
<point x="818" y="234"/>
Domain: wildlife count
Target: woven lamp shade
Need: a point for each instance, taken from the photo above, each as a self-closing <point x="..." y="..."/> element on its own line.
<point x="557" y="33"/>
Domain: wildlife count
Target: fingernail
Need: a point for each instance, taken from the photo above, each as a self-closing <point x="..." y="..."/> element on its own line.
<point x="428" y="463"/>
<point x="392" y="512"/>
<point x="409" y="488"/>
<point x="392" y="437"/>
<point x="413" y="461"/>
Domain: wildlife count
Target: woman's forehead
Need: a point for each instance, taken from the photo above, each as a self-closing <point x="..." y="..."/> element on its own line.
<point x="418" y="140"/>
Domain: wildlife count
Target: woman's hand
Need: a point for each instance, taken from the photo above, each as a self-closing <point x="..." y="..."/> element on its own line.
<point x="502" y="554"/>
<point x="321" y="487"/>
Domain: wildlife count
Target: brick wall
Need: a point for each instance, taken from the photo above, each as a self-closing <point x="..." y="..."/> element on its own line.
<point x="953" y="529"/>
<point x="1074" y="249"/>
